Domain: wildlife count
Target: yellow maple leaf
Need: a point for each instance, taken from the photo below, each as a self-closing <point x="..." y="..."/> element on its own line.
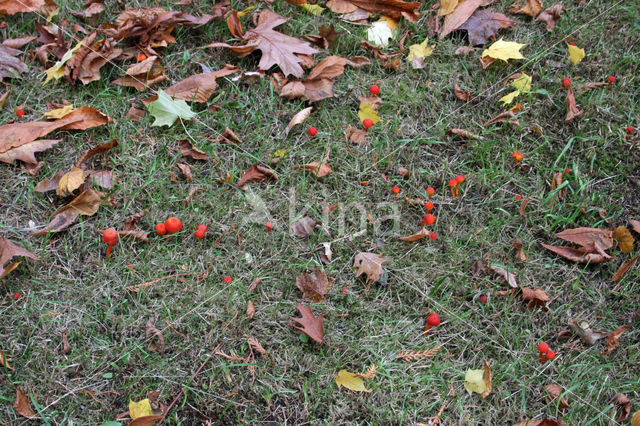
<point x="576" y="55"/>
<point x="447" y="6"/>
<point x="350" y="381"/>
<point x="367" y="111"/>
<point x="504" y="50"/>
<point x="313" y="8"/>
<point x="521" y="84"/>
<point x="140" y="408"/>
<point x="57" y="70"/>
<point x="58" y="112"/>
<point x="507" y="99"/>
<point x="417" y="53"/>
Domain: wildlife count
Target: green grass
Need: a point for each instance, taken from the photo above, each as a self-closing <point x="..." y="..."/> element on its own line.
<point x="73" y="288"/>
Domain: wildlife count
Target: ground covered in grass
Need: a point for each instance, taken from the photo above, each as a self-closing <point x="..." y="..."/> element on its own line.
<point x="72" y="289"/>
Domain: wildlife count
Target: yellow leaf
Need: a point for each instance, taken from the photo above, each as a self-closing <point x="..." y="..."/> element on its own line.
<point x="350" y="381"/>
<point x="58" y="112"/>
<point x="479" y="381"/>
<point x="367" y="111"/>
<point x="140" y="408"/>
<point x="507" y="99"/>
<point x="522" y="83"/>
<point x="313" y="8"/>
<point x="57" y="71"/>
<point x="70" y="181"/>
<point x="279" y="153"/>
<point x="421" y="50"/>
<point x="624" y="238"/>
<point x="576" y="55"/>
<point x="52" y="14"/>
<point x="447" y="6"/>
<point x="381" y="31"/>
<point x="246" y="11"/>
<point x="504" y="50"/>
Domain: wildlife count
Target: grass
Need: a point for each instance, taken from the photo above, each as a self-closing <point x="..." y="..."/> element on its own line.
<point x="74" y="289"/>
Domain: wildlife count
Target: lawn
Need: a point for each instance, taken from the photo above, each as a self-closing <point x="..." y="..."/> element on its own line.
<point x="73" y="290"/>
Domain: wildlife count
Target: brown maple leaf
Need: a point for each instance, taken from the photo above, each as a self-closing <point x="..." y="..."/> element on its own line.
<point x="312" y="326"/>
<point x="391" y="8"/>
<point x="277" y="48"/>
<point x="550" y="16"/>
<point x="313" y="286"/>
<point x="485" y="24"/>
<point x="256" y="173"/>
<point x="9" y="250"/>
<point x="199" y="87"/>
<point x="530" y="7"/>
<point x="459" y="16"/>
<point x="369" y="264"/>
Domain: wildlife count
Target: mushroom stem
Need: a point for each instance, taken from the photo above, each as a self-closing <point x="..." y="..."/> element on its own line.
<point x="109" y="250"/>
<point x="426" y="329"/>
<point x="453" y="194"/>
<point x="457" y="189"/>
<point x="543" y="357"/>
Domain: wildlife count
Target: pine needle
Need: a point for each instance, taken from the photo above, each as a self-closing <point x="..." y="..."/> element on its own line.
<point x="412" y="355"/>
<point x="370" y="374"/>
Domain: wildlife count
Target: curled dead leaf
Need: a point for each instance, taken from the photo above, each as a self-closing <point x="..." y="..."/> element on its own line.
<point x="186" y="171"/>
<point x="623" y="402"/>
<point x="22" y="406"/>
<point x="188" y="150"/>
<point x="519" y="251"/>
<point x="256" y="173"/>
<point x="85" y="204"/>
<point x="423" y="233"/>
<point x="251" y="309"/>
<point x="9" y="250"/>
<point x="584" y="331"/>
<point x="535" y="297"/>
<point x="613" y="340"/>
<point x="298" y="119"/>
<point x="553" y="393"/>
<point x="152" y="332"/>
<point x="370" y="264"/>
<point x="624" y="268"/>
<point x="572" y="108"/>
<point x="303" y="227"/>
<point x="319" y="169"/>
<point x="313" y="286"/>
<point x="508" y="276"/>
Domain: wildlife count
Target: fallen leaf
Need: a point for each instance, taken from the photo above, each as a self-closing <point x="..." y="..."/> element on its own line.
<point x="459" y="16"/>
<point x="313" y="286"/>
<point x="57" y="70"/>
<point x="460" y="94"/>
<point x="556" y="183"/>
<point x="147" y="420"/>
<point x="381" y="31"/>
<point x="326" y="38"/>
<point x="417" y="53"/>
<point x="624" y="238"/>
<point x="369" y="264"/>
<point x="298" y="119"/>
<point x="613" y="341"/>
<point x="367" y="111"/>
<point x="594" y="239"/>
<point x="49" y="184"/>
<point x="251" y="309"/>
<point x="350" y="381"/>
<point x="58" y="112"/>
<point x="191" y="193"/>
<point x="523" y="207"/>
<point x="504" y="50"/>
<point x="4" y="97"/>
<point x="535" y="297"/>
<point x="85" y="204"/>
<point x="543" y="422"/>
<point x="228" y="136"/>
<point x="519" y="251"/>
<point x="66" y="348"/>
<point x="584" y="331"/>
<point x="635" y="225"/>
<point x="256" y="173"/>
<point x="4" y="362"/>
<point x="312" y="326"/>
<point x="11" y="7"/>
<point x="581" y="255"/>
<point x="277" y="48"/>
<point x="572" y="108"/>
<point x="590" y="86"/>
<point x="576" y="54"/>
<point x="303" y="227"/>
<point x="624" y="268"/>
<point x="485" y="24"/>
<point x="199" y="87"/>
<point x="355" y="135"/>
<point x="254" y="284"/>
<point x="9" y="250"/>
<point x="508" y="276"/>
<point x="100" y="149"/>
<point x="463" y="50"/>
<point x="464" y="134"/>
<point x="622" y="401"/>
<point x="635" y="420"/>
<point x="166" y="111"/>
<point x="22" y="406"/>
<point x="188" y="150"/>
<point x="186" y="171"/>
<point x="530" y="7"/>
<point x="135" y="114"/>
<point x="151" y="332"/>
<point x="392" y="8"/>
<point x="447" y="6"/>
<point x="479" y="381"/>
<point x="319" y="169"/>
<point x="550" y="16"/>
<point x="423" y="233"/>
<point x="140" y="409"/>
<point x="70" y="181"/>
<point x="553" y="393"/>
<point x="509" y="116"/>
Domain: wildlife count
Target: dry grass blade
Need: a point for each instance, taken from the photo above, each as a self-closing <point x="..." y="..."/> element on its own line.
<point x="411" y="355"/>
<point x="150" y="332"/>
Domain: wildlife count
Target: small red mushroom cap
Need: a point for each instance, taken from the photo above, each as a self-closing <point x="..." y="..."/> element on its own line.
<point x="429" y="219"/>
<point x="269" y="225"/>
<point x="20" y="112"/>
<point x="110" y="236"/>
<point x="611" y="79"/>
<point x="543" y="347"/>
<point x="141" y="57"/>
<point x="428" y="205"/>
<point x="630" y="129"/>
<point x="482" y="298"/>
<point x="518" y="197"/>
<point x="367" y="122"/>
<point x="312" y="131"/>
<point x="396" y="189"/>
<point x="433" y="235"/>
<point x="202" y="228"/>
<point x="173" y="225"/>
<point x="374" y="89"/>
<point x="228" y="279"/>
<point x="431" y="191"/>
<point x="433" y="320"/>
<point x="567" y="171"/>
<point x="453" y="182"/>
<point x="550" y="354"/>
<point x="459" y="178"/>
<point x="161" y="229"/>
<point x="199" y="234"/>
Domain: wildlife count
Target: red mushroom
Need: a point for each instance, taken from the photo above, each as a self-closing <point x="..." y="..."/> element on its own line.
<point x="611" y="79"/>
<point x="396" y="190"/>
<point x="173" y="225"/>
<point x="161" y="229"/>
<point x="374" y="89"/>
<point x="452" y="185"/>
<point x="312" y="131"/>
<point x="367" y="122"/>
<point x="430" y="191"/>
<point x="433" y="235"/>
<point x="433" y="320"/>
<point x="428" y="219"/>
<point x="459" y="180"/>
<point x="269" y="225"/>
<point x="110" y="236"/>
<point x="428" y="205"/>
<point x="566" y="82"/>
<point x="630" y="130"/>
<point x="20" y="113"/>
<point x="201" y="231"/>
<point x="517" y="156"/>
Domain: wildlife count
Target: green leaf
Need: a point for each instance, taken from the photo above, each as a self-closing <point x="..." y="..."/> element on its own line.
<point x="108" y="375"/>
<point x="112" y="423"/>
<point x="166" y="110"/>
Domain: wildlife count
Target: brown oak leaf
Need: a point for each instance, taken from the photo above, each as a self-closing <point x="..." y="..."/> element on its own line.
<point x="256" y="173"/>
<point x="312" y="326"/>
<point x="550" y="16"/>
<point x="369" y="264"/>
<point x="313" y="286"/>
<point x="613" y="339"/>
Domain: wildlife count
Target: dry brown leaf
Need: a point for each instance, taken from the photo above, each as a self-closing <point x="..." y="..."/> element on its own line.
<point x="550" y="16"/>
<point x="485" y="24"/>
<point x="293" y="90"/>
<point x="327" y="37"/>
<point x="460" y="94"/>
<point x="100" y="149"/>
<point x="10" y="65"/>
<point x="581" y="255"/>
<point x="459" y="16"/>
<point x="135" y="114"/>
<point x="509" y="116"/>
<point x="392" y="8"/>
<point x="277" y="48"/>
<point x="256" y="173"/>
<point x="553" y="393"/>
<point x="463" y="134"/>
<point x="543" y="422"/>
<point x="319" y="169"/>
<point x="313" y="286"/>
<point x="298" y="119"/>
<point x="199" y="87"/>
<point x="622" y="401"/>
<point x="254" y="284"/>
<point x="635" y="420"/>
<point x="142" y="75"/>
<point x="146" y="420"/>
<point x="85" y="204"/>
<point x="251" y="309"/>
<point x="355" y="135"/>
<point x="535" y="297"/>
<point x="150" y="331"/>
<point x="519" y="251"/>
<point x="66" y="347"/>
<point x="369" y="264"/>
<point x="613" y="340"/>
<point x="556" y="183"/>
<point x="303" y="227"/>
<point x="256" y="346"/>
<point x="9" y="250"/>
<point x="572" y="108"/>
<point x="624" y="238"/>
<point x="590" y="86"/>
<point x="635" y="225"/>
<point x="463" y="50"/>
<point x="235" y="25"/>
<point x="186" y="171"/>
<point x="3" y="98"/>
<point x="530" y="7"/>
<point x="22" y="406"/>
<point x="188" y="150"/>
<point x="423" y="233"/>
<point x="624" y="268"/>
<point x="508" y="276"/>
<point x="4" y="362"/>
<point x="486" y="377"/>
<point x="584" y="331"/>
<point x="70" y="181"/>
<point x="523" y="207"/>
<point x="592" y="239"/>
<point x="312" y="326"/>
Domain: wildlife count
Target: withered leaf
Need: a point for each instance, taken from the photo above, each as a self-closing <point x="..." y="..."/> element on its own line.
<point x="313" y="286"/>
<point x="463" y="134"/>
<point x="66" y="347"/>
<point x="298" y="119"/>
<point x="519" y="251"/>
<point x="234" y="24"/>
<point x="3" y="98"/>
<point x="70" y="181"/>
<point x="22" y="406"/>
<point x="593" y="239"/>
<point x="4" y="362"/>
<point x="319" y="169"/>
<point x="590" y="86"/>
<point x="312" y="326"/>
<point x="572" y="108"/>
<point x="355" y="135"/>
<point x="423" y="233"/>
<point x="392" y="8"/>
<point x="509" y="116"/>
<point x="85" y="204"/>
<point x="254" y="284"/>
<point x="530" y="7"/>
<point x="635" y="225"/>
<point x="624" y="238"/>
<point x="9" y="250"/>
<point x="188" y="150"/>
<point x="622" y="401"/>
<point x="11" y="7"/>
<point x="49" y="184"/>
<point x="277" y="48"/>
<point x="369" y="264"/>
<point x="613" y="339"/>
<point x="508" y="276"/>
<point x="463" y="50"/>
<point x="199" y="87"/>
<point x="523" y="207"/>
<point x="190" y="194"/>
<point x="256" y="173"/>
<point x="10" y="65"/>
<point x="584" y="331"/>
<point x="186" y="171"/>
<point x="556" y="183"/>
<point x="228" y="136"/>
<point x="100" y="149"/>
<point x="303" y="227"/>
<point x="581" y="255"/>
<point x="147" y="420"/>
<point x="151" y="332"/>
<point x="460" y="94"/>
<point x="550" y="16"/>
<point x="327" y="37"/>
<point x="251" y="309"/>
<point x="135" y="114"/>
<point x="624" y="268"/>
<point x="553" y="393"/>
<point x="485" y="24"/>
<point x="535" y="296"/>
<point x="459" y="16"/>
